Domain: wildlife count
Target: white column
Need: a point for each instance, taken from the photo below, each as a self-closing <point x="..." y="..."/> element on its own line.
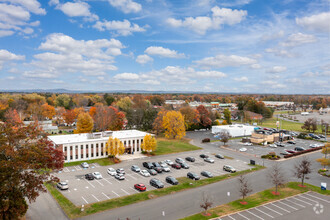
<point x="73" y="152"/>
<point x="84" y="151"/>
<point x="134" y="145"/>
<point x="89" y="151"/>
<point x="79" y="152"/>
<point x="99" y="149"/>
<point x="94" y="149"/>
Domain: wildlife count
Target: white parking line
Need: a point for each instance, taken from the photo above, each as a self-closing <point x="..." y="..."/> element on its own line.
<point x="273" y="210"/>
<point x="95" y="198"/>
<point x="242" y="216"/>
<point x="115" y="194"/>
<point x="84" y="200"/>
<point x="99" y="182"/>
<point x="78" y="167"/>
<point x="308" y="194"/>
<point x="107" y="180"/>
<point x="125" y="192"/>
<point x="254" y="214"/>
<point x="280" y="208"/>
<point x="302" y="201"/>
<point x="295" y="203"/>
<point x="66" y="170"/>
<point x="287" y="205"/>
<point x="105" y="195"/>
<point x="132" y="176"/>
<point x="133" y="188"/>
<point x="309" y="199"/>
<point x="90" y="183"/>
<point x="231" y="217"/>
<point x="263" y="212"/>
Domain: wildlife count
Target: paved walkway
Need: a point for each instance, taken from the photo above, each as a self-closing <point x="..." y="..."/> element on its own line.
<point x="131" y="156"/>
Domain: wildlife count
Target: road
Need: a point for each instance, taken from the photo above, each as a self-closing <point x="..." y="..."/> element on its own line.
<point x="186" y="203"/>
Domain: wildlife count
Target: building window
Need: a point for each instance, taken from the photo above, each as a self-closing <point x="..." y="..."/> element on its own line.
<point x="71" y="157"/>
<point x="81" y="147"/>
<point x="70" y="148"/>
<point x="97" y="154"/>
<point x="92" y="154"/>
<point x="64" y="149"/>
<point x="82" y="156"/>
<point x="102" y="153"/>
<point x="77" y="156"/>
<point x="66" y="158"/>
<point x="125" y="143"/>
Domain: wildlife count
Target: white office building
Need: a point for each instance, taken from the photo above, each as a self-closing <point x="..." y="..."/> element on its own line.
<point x="235" y="130"/>
<point x="77" y="147"/>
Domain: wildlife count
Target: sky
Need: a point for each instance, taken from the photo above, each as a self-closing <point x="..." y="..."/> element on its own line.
<point x="229" y="46"/>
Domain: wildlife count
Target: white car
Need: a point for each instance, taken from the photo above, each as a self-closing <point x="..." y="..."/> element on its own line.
<point x="97" y="175"/>
<point x="209" y="160"/>
<point x="243" y="149"/>
<point x="62" y="185"/>
<point x="120" y="176"/>
<point x="84" y="165"/>
<point x="144" y="173"/>
<point x="169" y="162"/>
<point x="247" y="144"/>
<point x="111" y="171"/>
<point x="165" y="167"/>
<point x="273" y="146"/>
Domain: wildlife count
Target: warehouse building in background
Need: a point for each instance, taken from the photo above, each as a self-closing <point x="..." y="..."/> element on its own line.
<point x="235" y="130"/>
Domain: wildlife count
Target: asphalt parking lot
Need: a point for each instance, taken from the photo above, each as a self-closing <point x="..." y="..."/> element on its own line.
<point x="82" y="191"/>
<point x="259" y="150"/>
<point x="308" y="205"/>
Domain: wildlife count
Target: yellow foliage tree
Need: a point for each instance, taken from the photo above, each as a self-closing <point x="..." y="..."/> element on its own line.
<point x="325" y="161"/>
<point x="149" y="143"/>
<point x="84" y="123"/>
<point x="114" y="147"/>
<point x="48" y="111"/>
<point x="173" y="123"/>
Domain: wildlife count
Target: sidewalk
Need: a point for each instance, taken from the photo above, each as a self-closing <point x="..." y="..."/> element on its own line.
<point x="124" y="157"/>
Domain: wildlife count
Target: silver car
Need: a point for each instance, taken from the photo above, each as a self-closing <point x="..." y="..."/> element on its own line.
<point x="144" y="173"/>
<point x="62" y="185"/>
<point x="165" y="168"/>
<point x="84" y="165"/>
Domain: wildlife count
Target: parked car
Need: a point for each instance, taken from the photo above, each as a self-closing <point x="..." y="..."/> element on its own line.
<point x="284" y="152"/>
<point x="247" y="144"/>
<point x="162" y="163"/>
<point x="158" y="169"/>
<point x="204" y="156"/>
<point x="111" y="171"/>
<point x="176" y="166"/>
<point x="156" y="164"/>
<point x="156" y="183"/>
<point x="62" y="185"/>
<point x="291" y="151"/>
<point x="190" y="159"/>
<point x="135" y="168"/>
<point x="184" y="165"/>
<point x="165" y="167"/>
<point x="89" y="176"/>
<point x="120" y="170"/>
<point x="120" y="176"/>
<point x="179" y="160"/>
<point x="169" y="162"/>
<point x="193" y="176"/>
<point x="229" y="168"/>
<point x="273" y="146"/>
<point x="152" y="172"/>
<point x="140" y="187"/>
<point x="313" y="145"/>
<point x="243" y="149"/>
<point x="97" y="175"/>
<point x="84" y="165"/>
<point x="279" y="144"/>
<point x="219" y="156"/>
<point x="207" y="174"/>
<point x="145" y="173"/>
<point x="299" y="149"/>
<point x="321" y="136"/>
<point x="171" y="180"/>
<point x="148" y="165"/>
<point x="291" y="142"/>
<point x="209" y="160"/>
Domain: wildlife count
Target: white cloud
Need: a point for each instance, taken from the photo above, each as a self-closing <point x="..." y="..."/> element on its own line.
<point x="273" y="36"/>
<point x="279" y="52"/>
<point x="255" y="66"/>
<point x="201" y="24"/>
<point x="126" y="6"/>
<point x="142" y="59"/>
<point x="277" y="69"/>
<point x="6" y="56"/>
<point x="231" y="3"/>
<point x="241" y="79"/>
<point x="67" y="55"/>
<point x="310" y="74"/>
<point x="274" y="85"/>
<point x="298" y="39"/>
<point x="163" y="52"/>
<point x="318" y="22"/>
<point x="127" y="76"/>
<point x="215" y="74"/>
<point x="15" y="16"/>
<point x="77" y="9"/>
<point x="123" y="28"/>
<point x="221" y="60"/>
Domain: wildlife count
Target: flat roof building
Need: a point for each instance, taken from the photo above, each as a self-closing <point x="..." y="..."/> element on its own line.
<point x="235" y="130"/>
<point x="85" y="146"/>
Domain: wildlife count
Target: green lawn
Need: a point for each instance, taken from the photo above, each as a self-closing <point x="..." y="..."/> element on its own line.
<point x="101" y="162"/>
<point x="169" y="146"/>
<point x="73" y="211"/>
<point x="257" y="199"/>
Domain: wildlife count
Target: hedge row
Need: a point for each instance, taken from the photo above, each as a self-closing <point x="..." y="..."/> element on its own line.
<point x="302" y="152"/>
<point x="205" y="140"/>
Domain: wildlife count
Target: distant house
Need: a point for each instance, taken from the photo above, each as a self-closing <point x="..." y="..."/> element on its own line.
<point x="304" y="113"/>
<point x="324" y="110"/>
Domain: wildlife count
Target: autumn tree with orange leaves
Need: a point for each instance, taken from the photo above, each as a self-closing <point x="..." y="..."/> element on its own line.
<point x="48" y="111"/>
<point x="191" y="117"/>
<point x="158" y="122"/>
<point x="69" y="116"/>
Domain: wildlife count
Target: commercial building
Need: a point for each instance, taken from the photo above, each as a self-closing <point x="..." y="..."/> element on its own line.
<point x="87" y="146"/>
<point x="235" y="130"/>
<point x="278" y="104"/>
<point x="264" y="137"/>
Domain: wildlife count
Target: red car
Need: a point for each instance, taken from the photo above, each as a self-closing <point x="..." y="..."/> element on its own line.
<point x="291" y="151"/>
<point x="140" y="187"/>
<point x="176" y="166"/>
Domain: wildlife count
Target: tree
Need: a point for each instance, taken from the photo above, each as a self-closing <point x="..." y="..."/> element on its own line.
<point x="244" y="186"/>
<point x="11" y="116"/>
<point x="48" y="111"/>
<point x="84" y="123"/>
<point x="63" y="100"/>
<point x="325" y="161"/>
<point x="173" y="123"/>
<point x="69" y="116"/>
<point x="302" y="169"/>
<point x="314" y="125"/>
<point x="224" y="136"/>
<point x="227" y="115"/>
<point x="114" y="147"/>
<point x="124" y="104"/>
<point x="307" y="124"/>
<point x="204" y="118"/>
<point x="276" y="176"/>
<point x="108" y="99"/>
<point x="149" y="143"/>
<point x="191" y="117"/>
<point x="325" y="127"/>
<point x="158" y="122"/>
<point x="206" y="202"/>
<point x="26" y="159"/>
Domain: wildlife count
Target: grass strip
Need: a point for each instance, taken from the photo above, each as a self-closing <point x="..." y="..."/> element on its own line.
<point x="73" y="211"/>
<point x="102" y="162"/>
<point x="167" y="146"/>
<point x="257" y="199"/>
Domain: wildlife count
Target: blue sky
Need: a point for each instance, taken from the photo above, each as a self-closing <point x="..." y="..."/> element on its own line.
<point x="246" y="46"/>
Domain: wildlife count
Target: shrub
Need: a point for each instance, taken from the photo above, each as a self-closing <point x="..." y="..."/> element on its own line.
<point x="205" y="140"/>
<point x="302" y="152"/>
